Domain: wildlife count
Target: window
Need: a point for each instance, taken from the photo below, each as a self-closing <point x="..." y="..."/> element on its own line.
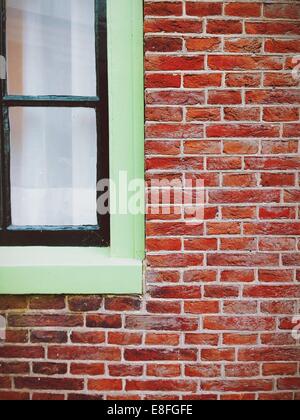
<point x="117" y="268"/>
<point x="54" y="137"/>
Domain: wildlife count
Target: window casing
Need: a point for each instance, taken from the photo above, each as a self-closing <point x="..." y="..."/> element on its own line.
<point x="83" y="235"/>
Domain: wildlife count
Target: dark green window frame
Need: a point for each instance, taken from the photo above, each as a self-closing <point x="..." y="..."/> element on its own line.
<point x="67" y="235"/>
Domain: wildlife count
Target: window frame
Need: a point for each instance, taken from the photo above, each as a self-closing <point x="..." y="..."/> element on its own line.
<point x="117" y="269"/>
<point x="72" y="236"/>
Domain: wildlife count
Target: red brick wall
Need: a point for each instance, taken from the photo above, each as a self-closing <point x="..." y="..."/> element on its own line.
<point x="216" y="318"/>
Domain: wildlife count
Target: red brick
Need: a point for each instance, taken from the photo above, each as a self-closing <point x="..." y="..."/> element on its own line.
<point x="243" y="45"/>
<point x="196" y="81"/>
<point x="89" y="369"/>
<point x="214" y="355"/>
<point x="164" y="114"/>
<point x="239" y="9"/>
<point x="105" y="385"/>
<point x="272" y="369"/>
<point x="136" y="355"/>
<point x="144" y="322"/>
<point x="169" y="97"/>
<point x="84" y="303"/>
<point x="87" y="337"/>
<point x="282" y="11"/>
<point x="84" y="353"/>
<point x="272" y="291"/>
<point x="219" y="26"/>
<point x="173" y="25"/>
<point x="164" y="371"/>
<point x="163" y="8"/>
<point x="246" y="323"/>
<point x="204" y="307"/>
<point x="174" y="62"/>
<point x="244" y="62"/>
<point x="203" y="9"/>
<point x="244" y="385"/>
<point x="203" y="44"/>
<point x="47" y="302"/>
<point x="65" y="384"/>
<point x="203" y="371"/>
<point x="160" y="80"/>
<point x="203" y="114"/>
<point x="272" y="28"/>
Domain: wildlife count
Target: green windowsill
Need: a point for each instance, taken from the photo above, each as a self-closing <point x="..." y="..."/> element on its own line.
<point x="43" y="270"/>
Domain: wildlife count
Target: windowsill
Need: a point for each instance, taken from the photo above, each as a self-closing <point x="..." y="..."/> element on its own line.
<point x="46" y="270"/>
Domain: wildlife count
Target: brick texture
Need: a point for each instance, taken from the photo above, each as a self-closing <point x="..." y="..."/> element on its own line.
<point x="216" y="319"/>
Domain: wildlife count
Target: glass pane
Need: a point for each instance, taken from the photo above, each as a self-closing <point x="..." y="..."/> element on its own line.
<point x="51" y="47"/>
<point x="53" y="166"/>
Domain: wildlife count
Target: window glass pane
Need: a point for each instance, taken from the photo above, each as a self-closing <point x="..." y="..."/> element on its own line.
<point x="53" y="166"/>
<point x="51" y="47"/>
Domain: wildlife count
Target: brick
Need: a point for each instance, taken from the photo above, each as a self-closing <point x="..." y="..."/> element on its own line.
<point x="163" y="307"/>
<point x="272" y="28"/>
<point x="87" y="337"/>
<point x="245" y="323"/>
<point x="45" y="321"/>
<point x="163" y="8"/>
<point x="125" y="370"/>
<point x="272" y="292"/>
<point x="214" y="355"/>
<point x="136" y="355"/>
<point x="203" y="44"/>
<point x="242" y="114"/>
<point x="169" y="97"/>
<point x="197" y="81"/>
<point x="105" y="385"/>
<point x="47" y="302"/>
<point x="203" y="371"/>
<point x="242" y="370"/>
<point x="243" y="130"/>
<point x="275" y="354"/>
<point x="175" y="292"/>
<point x="160" y="80"/>
<point x="203" y="114"/>
<point x="250" y="196"/>
<point x="50" y="369"/>
<point x="209" y="307"/>
<point x="243" y="45"/>
<point x="252" y="385"/>
<point x="226" y="27"/>
<point x="282" y="11"/>
<point x="120" y="304"/>
<point x="153" y="339"/>
<point x="164" y="114"/>
<point x="272" y="369"/>
<point x="164" y="371"/>
<point x="173" y="25"/>
<point x="84" y="303"/>
<point x="240" y="9"/>
<point x="174" y="62"/>
<point x="242" y="79"/>
<point x="244" y="62"/>
<point x="65" y="384"/>
<point x="203" y="9"/>
<point x="89" y="369"/>
<point x="104" y="321"/>
<point x="84" y="353"/>
<point x="142" y="322"/>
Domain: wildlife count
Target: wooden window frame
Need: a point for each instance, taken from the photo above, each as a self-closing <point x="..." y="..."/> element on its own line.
<point x="83" y="236"/>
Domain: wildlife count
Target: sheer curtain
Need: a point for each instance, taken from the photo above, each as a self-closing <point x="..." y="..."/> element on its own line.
<point x="51" y="51"/>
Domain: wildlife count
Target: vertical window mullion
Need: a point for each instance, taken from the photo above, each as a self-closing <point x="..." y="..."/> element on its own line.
<point x="102" y="108"/>
<point x="5" y="141"/>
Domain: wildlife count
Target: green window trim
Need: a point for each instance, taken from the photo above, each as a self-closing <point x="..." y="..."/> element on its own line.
<point x="119" y="268"/>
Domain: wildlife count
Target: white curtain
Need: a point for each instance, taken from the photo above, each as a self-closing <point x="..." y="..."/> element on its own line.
<point x="51" y="51"/>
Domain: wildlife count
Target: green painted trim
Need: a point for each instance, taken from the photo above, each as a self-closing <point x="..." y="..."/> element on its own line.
<point x="118" y="269"/>
<point x="42" y="270"/>
<point x="126" y="101"/>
